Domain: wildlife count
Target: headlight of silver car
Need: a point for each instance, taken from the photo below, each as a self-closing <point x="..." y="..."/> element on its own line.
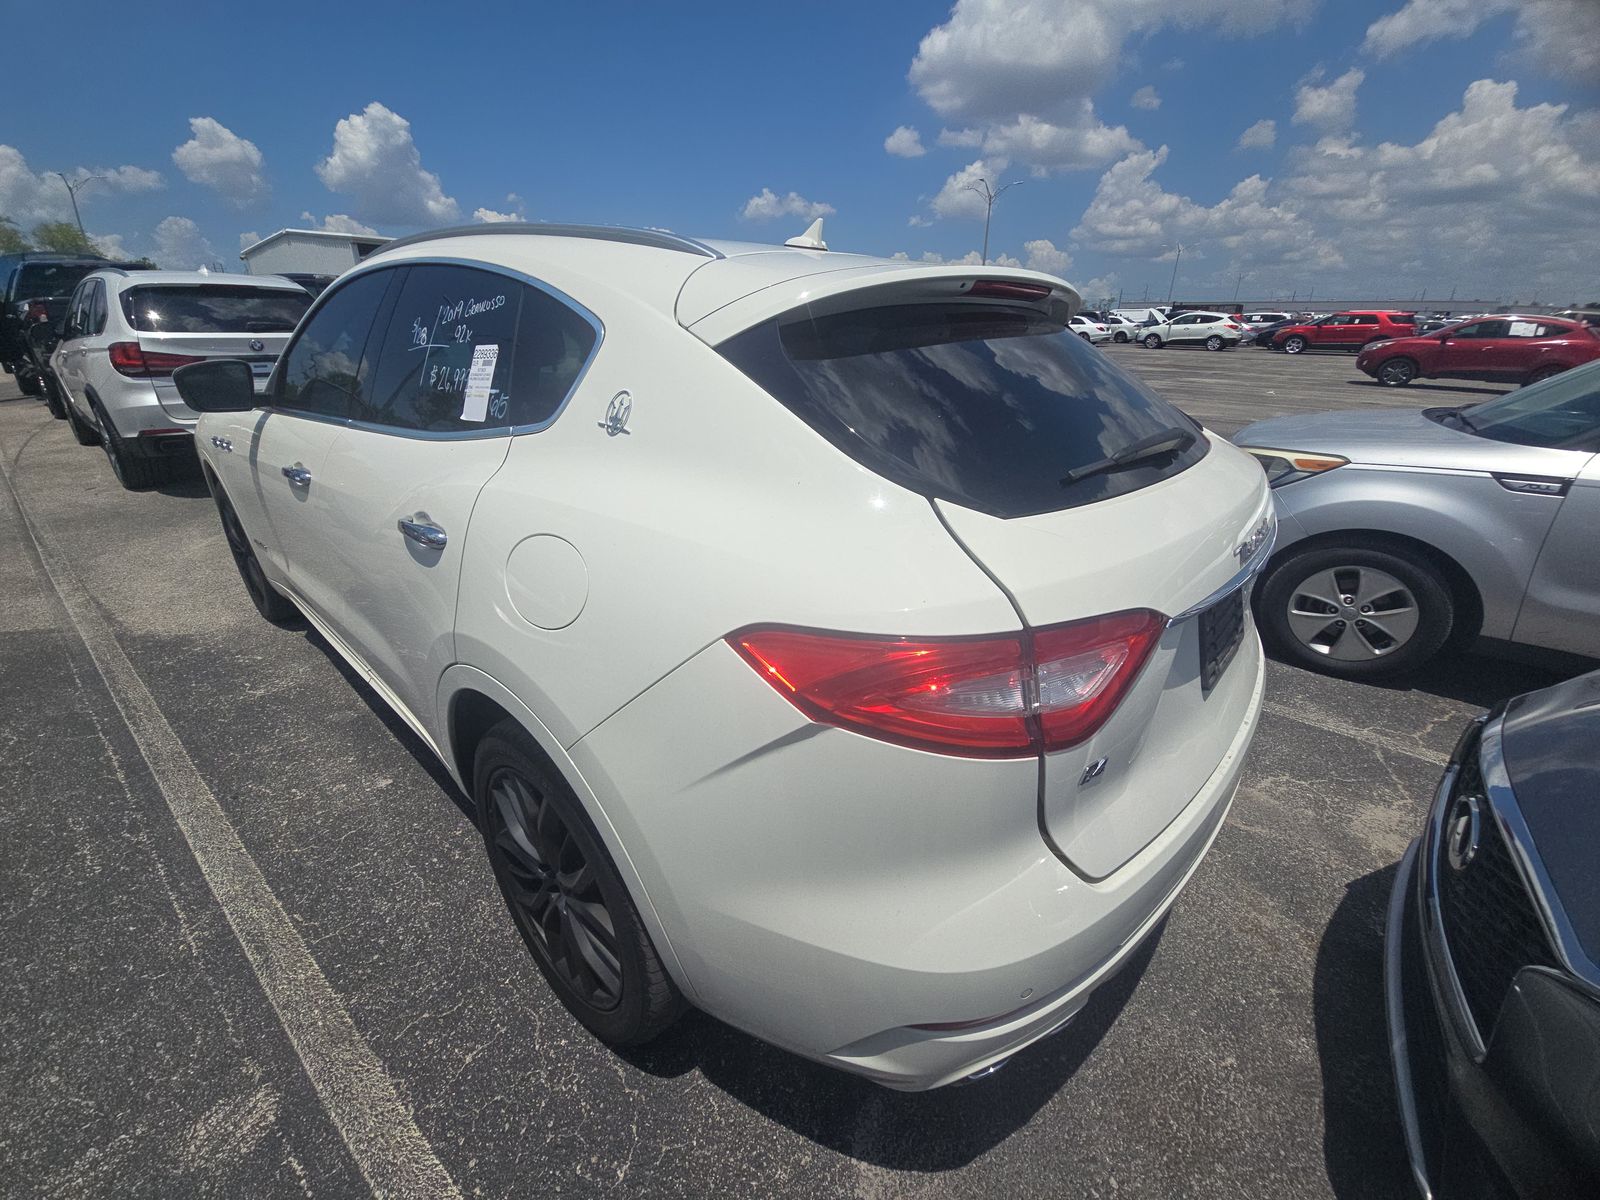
<point x="1289" y="466"/>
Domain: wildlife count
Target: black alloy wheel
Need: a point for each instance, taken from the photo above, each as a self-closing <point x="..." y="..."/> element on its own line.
<point x="82" y="431"/>
<point x="53" y="399"/>
<point x="1397" y="372"/>
<point x="269" y="601"/>
<point x="565" y="895"/>
<point x="28" y="380"/>
<point x="133" y="471"/>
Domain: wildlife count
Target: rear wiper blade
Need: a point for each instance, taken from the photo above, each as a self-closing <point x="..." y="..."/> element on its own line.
<point x="1158" y="445"/>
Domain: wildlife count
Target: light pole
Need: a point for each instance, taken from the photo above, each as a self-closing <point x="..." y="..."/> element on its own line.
<point x="1239" y="283"/>
<point x="989" y="197"/>
<point x="1172" y="286"/>
<point x="72" y="194"/>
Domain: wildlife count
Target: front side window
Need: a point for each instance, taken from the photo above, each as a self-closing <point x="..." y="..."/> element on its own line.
<point x="214" y="308"/>
<point x="990" y="408"/>
<point x="1475" y="330"/>
<point x="467" y="350"/>
<point x="325" y="371"/>
<point x="76" y="310"/>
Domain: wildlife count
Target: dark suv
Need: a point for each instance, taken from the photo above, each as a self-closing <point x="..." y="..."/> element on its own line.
<point x="34" y="289"/>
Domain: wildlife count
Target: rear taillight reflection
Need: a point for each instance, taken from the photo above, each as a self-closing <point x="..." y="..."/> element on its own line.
<point x="1005" y="696"/>
<point x="128" y="359"/>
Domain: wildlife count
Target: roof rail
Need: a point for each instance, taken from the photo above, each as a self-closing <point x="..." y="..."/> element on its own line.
<point x="603" y="233"/>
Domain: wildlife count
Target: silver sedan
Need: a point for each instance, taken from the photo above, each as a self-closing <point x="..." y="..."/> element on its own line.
<point x="1403" y="530"/>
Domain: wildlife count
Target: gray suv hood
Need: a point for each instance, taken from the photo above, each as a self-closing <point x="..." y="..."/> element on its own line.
<point x="1396" y="437"/>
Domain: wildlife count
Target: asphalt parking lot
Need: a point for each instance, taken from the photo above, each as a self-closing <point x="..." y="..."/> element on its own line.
<point x="1241" y="1054"/>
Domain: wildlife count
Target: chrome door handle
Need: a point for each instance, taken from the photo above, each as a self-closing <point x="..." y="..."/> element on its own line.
<point x="297" y="475"/>
<point x="423" y="531"/>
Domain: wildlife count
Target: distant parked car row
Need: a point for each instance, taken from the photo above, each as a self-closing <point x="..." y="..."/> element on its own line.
<point x="124" y="333"/>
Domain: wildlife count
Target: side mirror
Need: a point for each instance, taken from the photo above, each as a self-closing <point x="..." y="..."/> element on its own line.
<point x="217" y="385"/>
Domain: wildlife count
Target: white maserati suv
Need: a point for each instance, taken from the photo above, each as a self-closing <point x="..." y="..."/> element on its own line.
<point x="837" y="644"/>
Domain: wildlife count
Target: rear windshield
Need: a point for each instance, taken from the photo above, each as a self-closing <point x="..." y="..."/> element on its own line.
<point x="47" y="281"/>
<point x="215" y="309"/>
<point x="987" y="407"/>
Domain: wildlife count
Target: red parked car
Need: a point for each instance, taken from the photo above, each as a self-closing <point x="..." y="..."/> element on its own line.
<point x="1508" y="348"/>
<point x="1344" y="331"/>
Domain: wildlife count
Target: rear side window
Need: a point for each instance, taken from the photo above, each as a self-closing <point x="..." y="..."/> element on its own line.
<point x="468" y="351"/>
<point x="49" y="281"/>
<point x="95" y="314"/>
<point x="325" y="371"/>
<point x="986" y="407"/>
<point x="215" y="308"/>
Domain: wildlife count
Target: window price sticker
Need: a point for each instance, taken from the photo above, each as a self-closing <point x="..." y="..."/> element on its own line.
<point x="475" y="404"/>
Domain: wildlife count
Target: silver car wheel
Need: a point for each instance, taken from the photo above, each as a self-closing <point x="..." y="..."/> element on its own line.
<point x="1353" y="613"/>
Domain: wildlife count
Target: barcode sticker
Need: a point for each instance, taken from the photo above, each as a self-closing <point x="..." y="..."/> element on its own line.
<point x="475" y="404"/>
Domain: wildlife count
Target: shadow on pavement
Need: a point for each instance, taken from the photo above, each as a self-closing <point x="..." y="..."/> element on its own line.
<point x="1361" y="1141"/>
<point x="1428" y="388"/>
<point x="1485" y="681"/>
<point x="928" y="1131"/>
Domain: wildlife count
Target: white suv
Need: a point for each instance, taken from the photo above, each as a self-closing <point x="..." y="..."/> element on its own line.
<point x="1213" y="330"/>
<point x="126" y="332"/>
<point x="837" y="644"/>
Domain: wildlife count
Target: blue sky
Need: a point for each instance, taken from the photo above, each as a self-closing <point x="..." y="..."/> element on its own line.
<point x="1415" y="144"/>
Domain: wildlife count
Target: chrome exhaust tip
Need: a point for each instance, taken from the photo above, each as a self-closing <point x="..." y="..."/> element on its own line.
<point x="984" y="1072"/>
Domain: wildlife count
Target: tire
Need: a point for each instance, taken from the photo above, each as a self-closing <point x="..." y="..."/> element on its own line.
<point x="269" y="601"/>
<point x="1544" y="373"/>
<point x="133" y="471"/>
<point x="1401" y="613"/>
<point x="1294" y="344"/>
<point x="1119" y="337"/>
<point x="1086" y="337"/>
<point x="551" y="867"/>
<point x="1214" y="343"/>
<point x="81" y="429"/>
<point x="1396" y="372"/>
<point x="28" y="380"/>
<point x="1152" y="342"/>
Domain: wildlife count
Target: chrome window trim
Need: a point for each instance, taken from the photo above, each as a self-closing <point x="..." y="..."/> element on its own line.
<point x="653" y="238"/>
<point x="450" y="435"/>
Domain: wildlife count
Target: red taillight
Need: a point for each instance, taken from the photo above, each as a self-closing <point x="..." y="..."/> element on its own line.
<point x="1006" y="696"/>
<point x="1009" y="289"/>
<point x="128" y="359"/>
<point x="38" y="310"/>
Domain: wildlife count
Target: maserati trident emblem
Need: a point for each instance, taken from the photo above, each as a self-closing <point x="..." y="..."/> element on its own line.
<point x="617" y="414"/>
<point x="1461" y="833"/>
<point x="257" y="345"/>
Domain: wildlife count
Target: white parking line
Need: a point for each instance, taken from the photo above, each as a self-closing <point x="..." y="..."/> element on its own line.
<point x="354" y="1088"/>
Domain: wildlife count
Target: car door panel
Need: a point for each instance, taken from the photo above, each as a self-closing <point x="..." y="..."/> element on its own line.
<point x="1561" y="610"/>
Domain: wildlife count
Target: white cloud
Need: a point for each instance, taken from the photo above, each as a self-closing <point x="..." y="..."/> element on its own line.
<point x="246" y="240"/>
<point x="111" y="245"/>
<point x="918" y="221"/>
<point x="1557" y="37"/>
<point x="219" y="158"/>
<point x="767" y="204"/>
<point x="905" y="142"/>
<point x="1146" y="98"/>
<point x="338" y="223"/>
<point x="1101" y="287"/>
<point x="1330" y="107"/>
<point x="957" y="199"/>
<point x="375" y="161"/>
<point x="1043" y="256"/>
<point x="1020" y="75"/>
<point x="1263" y="135"/>
<point x="180" y="246"/>
<point x="489" y="216"/>
<point x="28" y="197"/>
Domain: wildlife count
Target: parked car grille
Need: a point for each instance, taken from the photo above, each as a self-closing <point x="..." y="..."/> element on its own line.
<point x="1491" y="928"/>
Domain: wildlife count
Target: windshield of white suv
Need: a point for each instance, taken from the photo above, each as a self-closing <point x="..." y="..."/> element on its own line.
<point x="990" y="408"/>
<point x="1562" y="413"/>
<point x="215" y="308"/>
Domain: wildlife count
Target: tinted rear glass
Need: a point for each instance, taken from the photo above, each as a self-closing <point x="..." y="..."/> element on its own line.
<point x="214" y="309"/>
<point x="986" y="407"/>
<point x="50" y="280"/>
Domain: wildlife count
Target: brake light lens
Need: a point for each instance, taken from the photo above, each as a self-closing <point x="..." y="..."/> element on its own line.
<point x="1008" y="289"/>
<point x="1005" y="696"/>
<point x="127" y="358"/>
